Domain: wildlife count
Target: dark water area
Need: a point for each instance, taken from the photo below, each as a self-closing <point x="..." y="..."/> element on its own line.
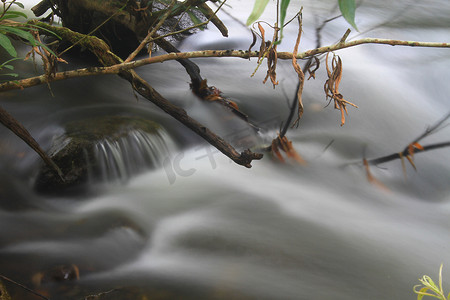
<point x="197" y="226"/>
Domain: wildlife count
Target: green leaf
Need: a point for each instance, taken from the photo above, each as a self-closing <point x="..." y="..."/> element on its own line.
<point x="20" y="33"/>
<point x="6" y="43"/>
<point x="348" y="8"/>
<point x="8" y="67"/>
<point x="195" y="19"/>
<point x="14" y="14"/>
<point x="257" y="11"/>
<point x="19" y="5"/>
<point x="283" y="9"/>
<point x="25" y="35"/>
<point x="46" y="30"/>
<point x="10" y="74"/>
<point x="424" y="292"/>
<point x="8" y="61"/>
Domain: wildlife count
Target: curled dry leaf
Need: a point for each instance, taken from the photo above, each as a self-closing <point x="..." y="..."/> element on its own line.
<point x="266" y="50"/>
<point x="252" y="44"/>
<point x="211" y="93"/>
<point x="272" y="58"/>
<point x="409" y="155"/>
<point x="316" y="65"/>
<point x="402" y="159"/>
<point x="263" y="46"/>
<point x="372" y="179"/>
<point x="299" y="71"/>
<point x="331" y="86"/>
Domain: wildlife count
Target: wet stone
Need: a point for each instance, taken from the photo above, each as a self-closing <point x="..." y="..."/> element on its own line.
<point x="100" y="149"/>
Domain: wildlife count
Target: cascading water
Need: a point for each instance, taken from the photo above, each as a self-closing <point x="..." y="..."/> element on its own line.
<point x="197" y="226"/>
<point x="132" y="154"/>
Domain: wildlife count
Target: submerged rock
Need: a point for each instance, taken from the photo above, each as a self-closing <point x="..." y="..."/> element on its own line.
<point x="102" y="149"/>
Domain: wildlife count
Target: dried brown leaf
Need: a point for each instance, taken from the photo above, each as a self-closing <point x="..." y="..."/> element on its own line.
<point x="411" y="161"/>
<point x="402" y="159"/>
<point x="331" y="86"/>
<point x="312" y="72"/>
<point x="285" y="145"/>
<point x="418" y="146"/>
<point x="263" y="46"/>
<point x="372" y="179"/>
<point x="252" y="44"/>
<point x="299" y="71"/>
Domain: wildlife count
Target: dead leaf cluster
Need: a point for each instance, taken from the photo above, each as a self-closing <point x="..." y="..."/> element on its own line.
<point x="211" y="93"/>
<point x="49" y="60"/>
<point x="372" y="179"/>
<point x="331" y="86"/>
<point x="410" y="150"/>
<point x="313" y="67"/>
<point x="267" y="49"/>
<point x="283" y="144"/>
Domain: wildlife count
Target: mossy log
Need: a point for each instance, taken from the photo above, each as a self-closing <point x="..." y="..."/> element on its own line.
<point x="123" y="24"/>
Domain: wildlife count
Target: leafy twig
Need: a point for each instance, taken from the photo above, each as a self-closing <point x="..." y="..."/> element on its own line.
<point x="114" y="69"/>
<point x="414" y="146"/>
<point x="394" y="156"/>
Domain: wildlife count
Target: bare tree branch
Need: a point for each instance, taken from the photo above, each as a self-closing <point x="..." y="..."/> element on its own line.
<point x="23" y="287"/>
<point x="410" y="148"/>
<point x="395" y="156"/>
<point x="12" y="124"/>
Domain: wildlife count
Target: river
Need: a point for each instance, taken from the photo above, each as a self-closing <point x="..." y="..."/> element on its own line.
<point x="201" y="227"/>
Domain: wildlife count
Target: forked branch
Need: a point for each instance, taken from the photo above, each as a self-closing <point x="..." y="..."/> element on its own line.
<point x="414" y="147"/>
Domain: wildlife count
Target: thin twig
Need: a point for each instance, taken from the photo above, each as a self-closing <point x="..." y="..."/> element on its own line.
<point x="409" y="151"/>
<point x="24" y="287"/>
<point x="431" y="129"/>
<point x="395" y="156"/>
<point x="148" y="38"/>
<point x="19" y="130"/>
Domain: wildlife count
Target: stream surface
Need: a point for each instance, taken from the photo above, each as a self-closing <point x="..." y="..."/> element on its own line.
<point x="201" y="227"/>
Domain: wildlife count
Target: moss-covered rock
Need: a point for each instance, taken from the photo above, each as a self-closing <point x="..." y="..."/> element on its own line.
<point x="74" y="151"/>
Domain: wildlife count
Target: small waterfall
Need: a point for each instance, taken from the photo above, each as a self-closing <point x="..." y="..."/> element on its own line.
<point x="118" y="160"/>
<point x="104" y="149"/>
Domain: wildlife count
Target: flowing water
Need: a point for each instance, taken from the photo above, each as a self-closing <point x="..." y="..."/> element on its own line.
<point x="197" y="226"/>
